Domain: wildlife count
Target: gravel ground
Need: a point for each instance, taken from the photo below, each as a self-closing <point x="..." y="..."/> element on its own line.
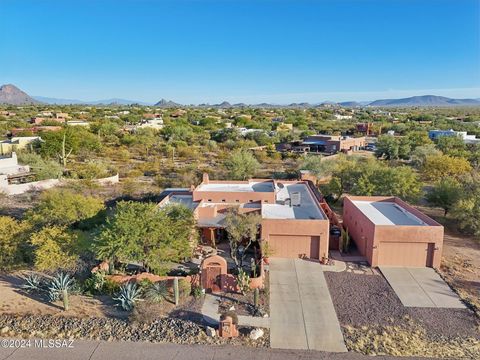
<point x="162" y="330"/>
<point x="363" y="300"/>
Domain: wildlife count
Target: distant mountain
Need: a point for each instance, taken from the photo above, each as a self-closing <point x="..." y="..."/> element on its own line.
<point x="114" y="101"/>
<point x="425" y="100"/>
<point x="10" y="94"/>
<point x="167" y="104"/>
<point x="223" y="105"/>
<point x="350" y="104"/>
<point x="55" y="101"/>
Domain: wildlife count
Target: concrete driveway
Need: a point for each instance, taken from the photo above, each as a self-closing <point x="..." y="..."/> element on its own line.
<point x="421" y="287"/>
<point x="302" y="315"/>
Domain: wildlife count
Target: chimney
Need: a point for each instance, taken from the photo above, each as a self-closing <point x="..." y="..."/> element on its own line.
<point x="205" y="179"/>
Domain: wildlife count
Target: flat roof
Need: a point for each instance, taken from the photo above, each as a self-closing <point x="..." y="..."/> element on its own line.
<point x="264" y="186"/>
<point x="387" y="213"/>
<point x="186" y="200"/>
<point x="307" y="210"/>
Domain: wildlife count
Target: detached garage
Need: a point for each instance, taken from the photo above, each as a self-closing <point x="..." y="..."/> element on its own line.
<point x="389" y="232"/>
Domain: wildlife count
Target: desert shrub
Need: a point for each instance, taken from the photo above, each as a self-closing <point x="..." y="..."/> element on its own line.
<point x="146" y="312"/>
<point x="197" y="292"/>
<point x="95" y="283"/>
<point x="110" y="287"/>
<point x="157" y="292"/>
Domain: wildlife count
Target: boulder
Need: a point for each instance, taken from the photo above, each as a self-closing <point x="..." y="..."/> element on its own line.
<point x="211" y="332"/>
<point x="256" y="334"/>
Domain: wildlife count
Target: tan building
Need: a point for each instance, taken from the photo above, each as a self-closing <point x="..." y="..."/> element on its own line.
<point x="17" y="143"/>
<point x="293" y="222"/>
<point x="389" y="232"/>
<point x="333" y="143"/>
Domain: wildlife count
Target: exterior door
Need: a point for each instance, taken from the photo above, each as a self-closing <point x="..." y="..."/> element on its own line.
<point x="213" y="278"/>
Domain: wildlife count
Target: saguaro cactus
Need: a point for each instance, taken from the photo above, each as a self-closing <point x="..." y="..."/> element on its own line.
<point x="176" y="291"/>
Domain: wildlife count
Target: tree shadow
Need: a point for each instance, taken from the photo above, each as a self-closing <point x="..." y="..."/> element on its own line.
<point x="16" y="282"/>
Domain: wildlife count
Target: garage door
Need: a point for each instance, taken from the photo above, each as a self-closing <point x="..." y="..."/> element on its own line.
<point x="295" y="246"/>
<point x="404" y="254"/>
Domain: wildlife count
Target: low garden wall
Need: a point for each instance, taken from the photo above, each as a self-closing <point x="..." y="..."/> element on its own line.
<point x="17" y="189"/>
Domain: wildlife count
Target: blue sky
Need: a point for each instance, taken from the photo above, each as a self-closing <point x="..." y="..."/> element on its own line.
<point x="281" y="51"/>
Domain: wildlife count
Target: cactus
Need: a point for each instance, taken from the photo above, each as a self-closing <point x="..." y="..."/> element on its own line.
<point x="128" y="295"/>
<point x="64" y="156"/>
<point x="33" y="283"/>
<point x="60" y="287"/>
<point x="256" y="295"/>
<point x="176" y="291"/>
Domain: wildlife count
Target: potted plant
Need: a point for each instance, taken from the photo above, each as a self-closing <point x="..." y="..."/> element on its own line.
<point x="266" y="251"/>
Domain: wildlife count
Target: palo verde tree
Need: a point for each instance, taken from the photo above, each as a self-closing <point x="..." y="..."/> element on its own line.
<point x="242" y="230"/>
<point x="142" y="232"/>
<point x="241" y="164"/>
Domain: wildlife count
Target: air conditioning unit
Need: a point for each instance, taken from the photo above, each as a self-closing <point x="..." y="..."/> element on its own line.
<point x="295" y="198"/>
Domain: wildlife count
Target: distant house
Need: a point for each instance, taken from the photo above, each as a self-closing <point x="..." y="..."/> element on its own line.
<point x="333" y="143"/>
<point x="78" y="123"/>
<point x="35" y="129"/>
<point x="17" y="143"/>
<point x="343" y="117"/>
<point x="155" y="123"/>
<point x="39" y="120"/>
<point x="467" y="139"/>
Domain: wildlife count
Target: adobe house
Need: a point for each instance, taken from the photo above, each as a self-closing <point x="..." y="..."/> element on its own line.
<point x="389" y="232"/>
<point x="293" y="221"/>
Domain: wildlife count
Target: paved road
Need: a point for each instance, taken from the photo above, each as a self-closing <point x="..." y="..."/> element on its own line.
<point x="302" y="315"/>
<point x="421" y="287"/>
<point x="95" y="350"/>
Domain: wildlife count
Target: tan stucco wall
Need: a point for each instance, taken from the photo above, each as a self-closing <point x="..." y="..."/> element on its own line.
<point x="298" y="228"/>
<point x="368" y="236"/>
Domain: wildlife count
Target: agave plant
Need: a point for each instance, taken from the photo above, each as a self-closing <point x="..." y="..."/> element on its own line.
<point x="157" y="292"/>
<point x="33" y="283"/>
<point x="128" y="295"/>
<point x="59" y="288"/>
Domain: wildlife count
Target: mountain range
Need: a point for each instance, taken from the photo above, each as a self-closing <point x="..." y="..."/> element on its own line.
<point x="10" y="94"/>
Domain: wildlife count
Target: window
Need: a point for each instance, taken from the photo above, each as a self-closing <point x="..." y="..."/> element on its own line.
<point x="250" y="200"/>
<point x="223" y="200"/>
<point x="266" y="201"/>
<point x="237" y="200"/>
<point x="209" y="200"/>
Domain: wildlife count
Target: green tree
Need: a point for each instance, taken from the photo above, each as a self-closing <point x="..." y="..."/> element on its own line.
<point x="55" y="248"/>
<point x="242" y="230"/>
<point x="418" y="138"/>
<point x="142" y="232"/>
<point x="388" y="147"/>
<point x="63" y="207"/>
<point x="12" y="242"/>
<point x="420" y="154"/>
<point x="452" y="146"/>
<point x="439" y="166"/>
<point x="241" y="164"/>
<point x="467" y="210"/>
<point x="445" y="194"/>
